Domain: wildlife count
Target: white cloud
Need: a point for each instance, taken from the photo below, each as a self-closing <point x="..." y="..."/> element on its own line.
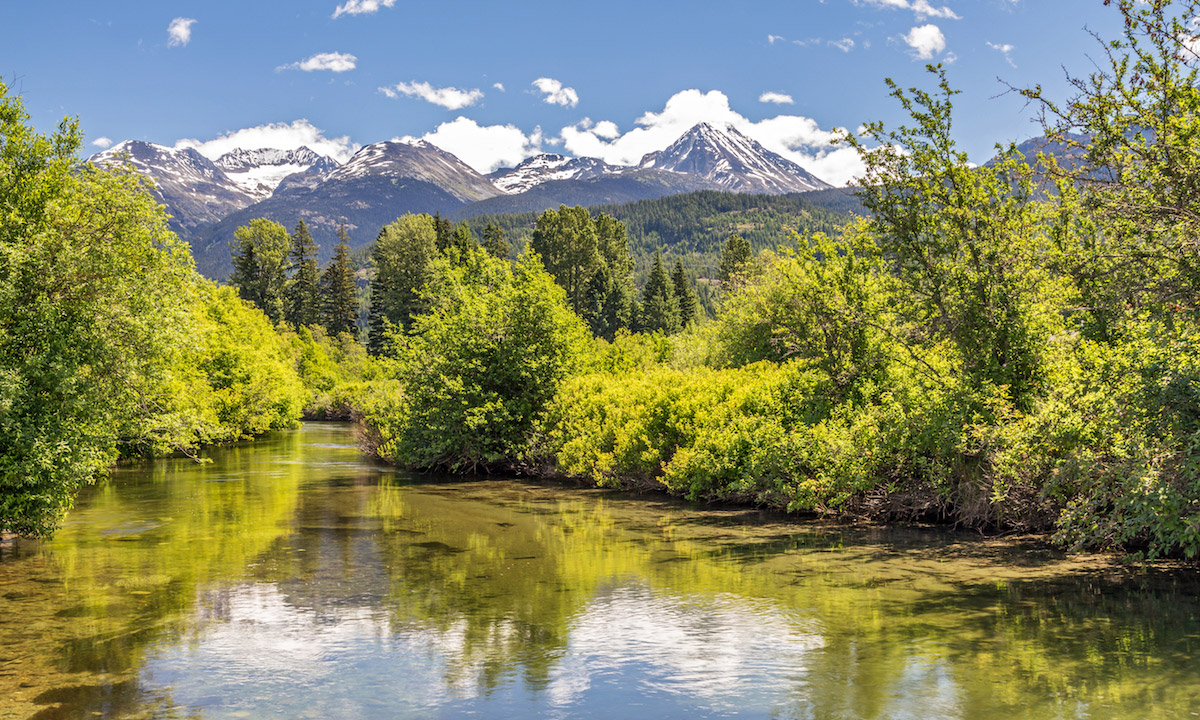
<point x="498" y="86"/>
<point x="845" y="44"/>
<point x="777" y="98"/>
<point x="1004" y="49"/>
<point x="926" y="40"/>
<point x="361" y="7"/>
<point x="332" y="61"/>
<point x="450" y="98"/>
<point x="283" y="136"/>
<point x="179" y="32"/>
<point x="921" y="8"/>
<point x="797" y="138"/>
<point x="924" y="10"/>
<point x="554" y="93"/>
<point x="484" y="147"/>
<point x="102" y="142"/>
<point x="772" y="38"/>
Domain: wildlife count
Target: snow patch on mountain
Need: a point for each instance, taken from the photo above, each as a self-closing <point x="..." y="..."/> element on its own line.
<point x="259" y="172"/>
<point x="547" y="167"/>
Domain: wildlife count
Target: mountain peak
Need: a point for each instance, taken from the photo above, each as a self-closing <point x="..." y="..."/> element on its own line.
<point x="259" y="172"/>
<point x="419" y="160"/>
<point x="732" y="161"/>
<point x="546" y="167"/>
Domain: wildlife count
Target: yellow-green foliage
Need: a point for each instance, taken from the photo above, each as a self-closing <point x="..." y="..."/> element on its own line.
<point x="233" y="378"/>
<point x="338" y="373"/>
<point x="480" y="366"/>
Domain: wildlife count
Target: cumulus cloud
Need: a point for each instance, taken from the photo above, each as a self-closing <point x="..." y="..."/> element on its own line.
<point x="498" y="86"/>
<point x="450" y="98"/>
<point x="772" y="38"/>
<point x="361" y="7"/>
<point x="921" y="8"/>
<point x="797" y="138"/>
<point x="332" y="61"/>
<point x="926" y="41"/>
<point x="553" y="92"/>
<point x="282" y="136"/>
<point x="845" y="44"/>
<point x="179" y="32"/>
<point x="102" y="142"/>
<point x="1004" y="49"/>
<point x="777" y="98"/>
<point x="484" y="147"/>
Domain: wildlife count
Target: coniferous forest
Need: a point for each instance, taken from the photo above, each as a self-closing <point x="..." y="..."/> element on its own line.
<point x="1012" y="346"/>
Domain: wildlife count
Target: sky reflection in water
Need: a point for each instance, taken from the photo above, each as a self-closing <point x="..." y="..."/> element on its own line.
<point x="291" y="578"/>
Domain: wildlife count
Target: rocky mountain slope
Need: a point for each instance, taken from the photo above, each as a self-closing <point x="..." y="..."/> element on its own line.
<point x="730" y="161"/>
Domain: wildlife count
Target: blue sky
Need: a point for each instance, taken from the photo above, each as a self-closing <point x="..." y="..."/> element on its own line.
<point x="494" y="82"/>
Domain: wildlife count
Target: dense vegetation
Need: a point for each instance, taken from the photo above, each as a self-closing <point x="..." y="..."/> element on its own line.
<point x="1002" y="347"/>
<point x="110" y="343"/>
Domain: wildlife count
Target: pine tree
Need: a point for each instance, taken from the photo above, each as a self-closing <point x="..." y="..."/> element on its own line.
<point x="302" y="295"/>
<point x="494" y="241"/>
<point x="685" y="296"/>
<point x="403" y="256"/>
<point x="444" y="230"/>
<point x="660" y="308"/>
<point x="338" y="288"/>
<point x="734" y="257"/>
<point x="260" y="265"/>
<point x="462" y="240"/>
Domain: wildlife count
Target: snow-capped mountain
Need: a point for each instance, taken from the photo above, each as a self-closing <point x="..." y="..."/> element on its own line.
<point x="259" y="172"/>
<point x="416" y="160"/>
<point x="548" y="167"/>
<point x="195" y="191"/>
<point x="732" y="162"/>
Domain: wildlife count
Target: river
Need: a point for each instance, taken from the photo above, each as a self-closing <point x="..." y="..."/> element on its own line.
<point x="293" y="578"/>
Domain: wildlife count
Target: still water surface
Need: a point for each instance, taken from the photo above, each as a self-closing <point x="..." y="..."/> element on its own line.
<point x="292" y="578"/>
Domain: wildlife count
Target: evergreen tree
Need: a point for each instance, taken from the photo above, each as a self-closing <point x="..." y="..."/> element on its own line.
<point x="685" y="296"/>
<point x="589" y="258"/>
<point x="566" y="241"/>
<point x="260" y="265"/>
<point x="302" y="294"/>
<point x="338" y="287"/>
<point x="494" y="241"/>
<point x="734" y="257"/>
<point x="660" y="307"/>
<point x="444" y="230"/>
<point x="403" y="257"/>
<point x="462" y="240"/>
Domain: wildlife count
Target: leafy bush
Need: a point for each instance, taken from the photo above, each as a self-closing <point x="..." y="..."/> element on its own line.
<point x="479" y="367"/>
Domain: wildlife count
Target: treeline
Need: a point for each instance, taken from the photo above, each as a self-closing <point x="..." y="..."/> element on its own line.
<point x="699" y="223"/>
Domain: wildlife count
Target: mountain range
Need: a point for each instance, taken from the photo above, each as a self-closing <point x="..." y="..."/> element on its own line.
<point x="208" y="199"/>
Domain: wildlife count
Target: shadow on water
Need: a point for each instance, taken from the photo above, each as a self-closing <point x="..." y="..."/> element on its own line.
<point x="292" y="578"/>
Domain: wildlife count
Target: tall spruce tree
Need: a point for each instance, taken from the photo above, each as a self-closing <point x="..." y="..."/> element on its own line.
<point x="260" y="257"/>
<point x="340" y="306"/>
<point x="660" y="307"/>
<point x="734" y="257"/>
<point x="462" y="239"/>
<point x="302" y="294"/>
<point x="494" y="241"/>
<point x="589" y="258"/>
<point x="444" y="230"/>
<point x="685" y="295"/>
<point x="403" y="256"/>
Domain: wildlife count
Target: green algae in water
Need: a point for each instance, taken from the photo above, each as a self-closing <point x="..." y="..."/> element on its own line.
<point x="310" y="583"/>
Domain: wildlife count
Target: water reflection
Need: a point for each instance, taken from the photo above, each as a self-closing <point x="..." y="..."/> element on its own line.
<point x="292" y="579"/>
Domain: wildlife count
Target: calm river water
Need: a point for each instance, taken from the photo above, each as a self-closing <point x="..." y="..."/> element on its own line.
<point x="292" y="578"/>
